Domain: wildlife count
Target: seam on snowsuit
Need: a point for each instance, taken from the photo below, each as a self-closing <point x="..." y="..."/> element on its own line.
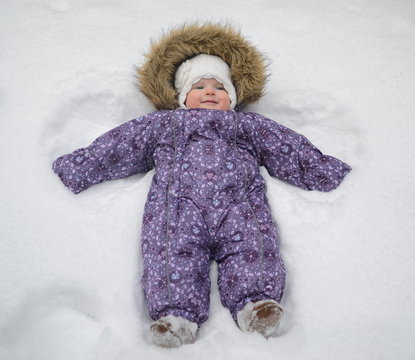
<point x="261" y="250"/>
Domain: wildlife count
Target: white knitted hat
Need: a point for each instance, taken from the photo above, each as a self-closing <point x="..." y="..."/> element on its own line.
<point x="203" y="66"/>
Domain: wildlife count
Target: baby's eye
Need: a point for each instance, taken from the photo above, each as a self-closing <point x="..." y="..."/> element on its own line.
<point x="220" y="88"/>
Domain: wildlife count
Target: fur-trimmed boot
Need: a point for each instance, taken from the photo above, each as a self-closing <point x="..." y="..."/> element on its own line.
<point x="173" y="331"/>
<point x="262" y="316"/>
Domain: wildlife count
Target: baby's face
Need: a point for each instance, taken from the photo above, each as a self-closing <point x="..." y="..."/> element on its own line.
<point x="208" y="94"/>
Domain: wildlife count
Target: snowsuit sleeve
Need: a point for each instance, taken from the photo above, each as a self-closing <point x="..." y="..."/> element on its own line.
<point x="291" y="157"/>
<point x="123" y="151"/>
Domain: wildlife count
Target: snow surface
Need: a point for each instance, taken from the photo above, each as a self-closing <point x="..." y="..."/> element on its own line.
<point x="342" y="74"/>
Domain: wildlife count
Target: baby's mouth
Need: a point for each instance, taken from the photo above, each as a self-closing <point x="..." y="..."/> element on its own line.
<point x="209" y="101"/>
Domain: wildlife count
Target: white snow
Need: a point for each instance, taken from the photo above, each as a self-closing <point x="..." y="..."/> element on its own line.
<point x="342" y="74"/>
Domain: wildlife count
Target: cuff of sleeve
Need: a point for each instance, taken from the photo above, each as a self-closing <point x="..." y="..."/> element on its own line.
<point x="76" y="186"/>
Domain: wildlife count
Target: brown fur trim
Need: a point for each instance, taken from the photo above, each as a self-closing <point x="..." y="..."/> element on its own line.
<point x="248" y="66"/>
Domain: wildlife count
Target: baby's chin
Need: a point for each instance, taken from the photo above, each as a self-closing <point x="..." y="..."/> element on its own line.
<point x="212" y="106"/>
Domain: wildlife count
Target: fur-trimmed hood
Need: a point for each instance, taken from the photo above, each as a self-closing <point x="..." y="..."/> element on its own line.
<point x="156" y="75"/>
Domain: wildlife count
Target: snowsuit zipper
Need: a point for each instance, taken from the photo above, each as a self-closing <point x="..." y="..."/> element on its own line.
<point x="173" y="124"/>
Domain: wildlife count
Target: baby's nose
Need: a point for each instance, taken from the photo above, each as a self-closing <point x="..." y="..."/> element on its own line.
<point x="210" y="90"/>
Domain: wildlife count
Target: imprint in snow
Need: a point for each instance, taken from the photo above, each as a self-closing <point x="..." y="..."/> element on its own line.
<point x="67" y="318"/>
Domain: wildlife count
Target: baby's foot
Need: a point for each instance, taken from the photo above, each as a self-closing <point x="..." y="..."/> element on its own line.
<point x="262" y="316"/>
<point x="173" y="331"/>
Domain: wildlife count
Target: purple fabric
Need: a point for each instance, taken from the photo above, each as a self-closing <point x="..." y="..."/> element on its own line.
<point x="206" y="202"/>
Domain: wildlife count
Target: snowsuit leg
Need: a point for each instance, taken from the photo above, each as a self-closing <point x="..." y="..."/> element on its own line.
<point x="176" y="262"/>
<point x="249" y="262"/>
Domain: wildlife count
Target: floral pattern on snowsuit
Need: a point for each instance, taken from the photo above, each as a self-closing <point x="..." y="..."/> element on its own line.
<point x="206" y="202"/>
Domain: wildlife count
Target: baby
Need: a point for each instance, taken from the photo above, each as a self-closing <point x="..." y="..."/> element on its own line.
<point x="207" y="197"/>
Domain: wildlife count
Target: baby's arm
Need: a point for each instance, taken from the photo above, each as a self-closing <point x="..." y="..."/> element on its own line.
<point x="120" y="152"/>
<point x="291" y="157"/>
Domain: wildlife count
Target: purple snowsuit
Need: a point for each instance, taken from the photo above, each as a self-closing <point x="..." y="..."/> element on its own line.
<point x="206" y="201"/>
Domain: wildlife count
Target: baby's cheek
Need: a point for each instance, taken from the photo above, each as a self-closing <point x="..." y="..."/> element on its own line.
<point x="227" y="105"/>
<point x="191" y="100"/>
